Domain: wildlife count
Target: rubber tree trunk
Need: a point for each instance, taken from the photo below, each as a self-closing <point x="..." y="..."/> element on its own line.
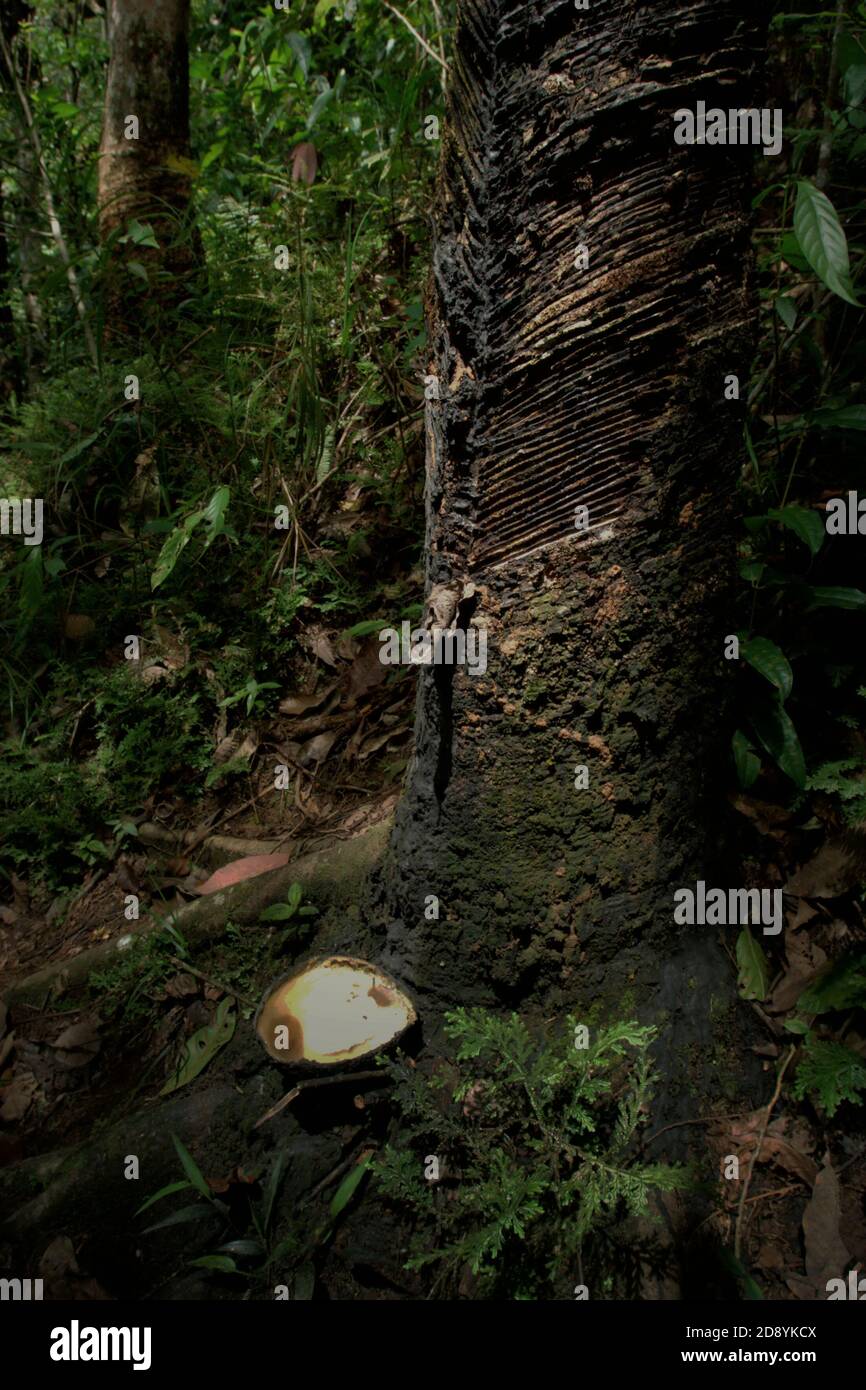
<point x="563" y="387"/>
<point x="144" y="160"/>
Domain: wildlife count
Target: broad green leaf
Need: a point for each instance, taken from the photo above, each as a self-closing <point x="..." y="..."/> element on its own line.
<point x="831" y="596"/>
<point x="202" y="1047"/>
<point x="805" y="524"/>
<point x="213" y="153"/>
<point x="323" y="8"/>
<point x="78" y="449"/>
<point x="214" y="514"/>
<point x="364" y="629"/>
<point x="751" y="571"/>
<point x="790" y="252"/>
<point x="797" y="1025"/>
<point x="770" y="662"/>
<point x="746" y="760"/>
<point x="138" y="270"/>
<point x="854" y="85"/>
<point x="843" y="986"/>
<point x="822" y="240"/>
<point x="278" y="912"/>
<point x="754" y="973"/>
<point x="191" y="1168"/>
<point x="250" y="1249"/>
<point x="140" y="234"/>
<point x="166" y="1191"/>
<point x="32" y="585"/>
<point x="777" y="735"/>
<point x="304" y="1283"/>
<point x="224" y="1264"/>
<point x="845" y="417"/>
<point x="344" y="1193"/>
<point x="322" y="100"/>
<point x="300" y="46"/>
<point x="787" y="311"/>
<point x="172" y="549"/>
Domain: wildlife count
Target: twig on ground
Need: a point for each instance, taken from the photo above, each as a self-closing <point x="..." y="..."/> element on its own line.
<point x="738" y="1233"/>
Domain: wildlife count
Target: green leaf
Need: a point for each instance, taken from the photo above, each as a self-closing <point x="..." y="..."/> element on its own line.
<point x="138" y="270"/>
<point x="304" y="1283"/>
<point x="787" y="311"/>
<point x="364" y="629"/>
<point x="223" y="1263"/>
<point x="300" y="46"/>
<point x="213" y="153"/>
<point x="163" y="1192"/>
<point x="789" y="251"/>
<point x="797" y="1025"/>
<point x="770" y="662"/>
<point x="214" y="514"/>
<point x="191" y="1168"/>
<point x="172" y="549"/>
<point x="278" y="912"/>
<point x="748" y="1288"/>
<point x="805" y="524"/>
<point x="754" y="973"/>
<point x="78" y="449"/>
<point x="204" y="1044"/>
<point x="323" y="8"/>
<point x="751" y="571"/>
<point x="746" y="760"/>
<point x="246" y="1249"/>
<point x="283" y="912"/>
<point x="345" y="1192"/>
<point x="140" y="234"/>
<point x="179" y="1218"/>
<point x="845" y="417"/>
<point x="843" y="986"/>
<point x="831" y="1072"/>
<point x="322" y="100"/>
<point x="835" y="597"/>
<point x="32" y="584"/>
<point x="777" y="735"/>
<point x="822" y="240"/>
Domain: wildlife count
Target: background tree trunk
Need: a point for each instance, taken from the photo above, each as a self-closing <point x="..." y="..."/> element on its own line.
<point x="561" y="387"/>
<point x="148" y="178"/>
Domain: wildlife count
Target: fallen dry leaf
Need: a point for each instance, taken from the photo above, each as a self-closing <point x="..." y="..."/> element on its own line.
<point x="302" y="704"/>
<point x="59" y="1260"/>
<point x="826" y="1254"/>
<point x="805" y="960"/>
<point x="317" y="749"/>
<point x="179" y="986"/>
<point x="17" y="1097"/>
<point x="247" y="867"/>
<point x="79" y="1043"/>
<point x="828" y="874"/>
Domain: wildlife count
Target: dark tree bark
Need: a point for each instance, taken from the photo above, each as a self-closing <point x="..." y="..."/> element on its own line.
<point x="144" y="173"/>
<point x="601" y="387"/>
<point x="17" y="360"/>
